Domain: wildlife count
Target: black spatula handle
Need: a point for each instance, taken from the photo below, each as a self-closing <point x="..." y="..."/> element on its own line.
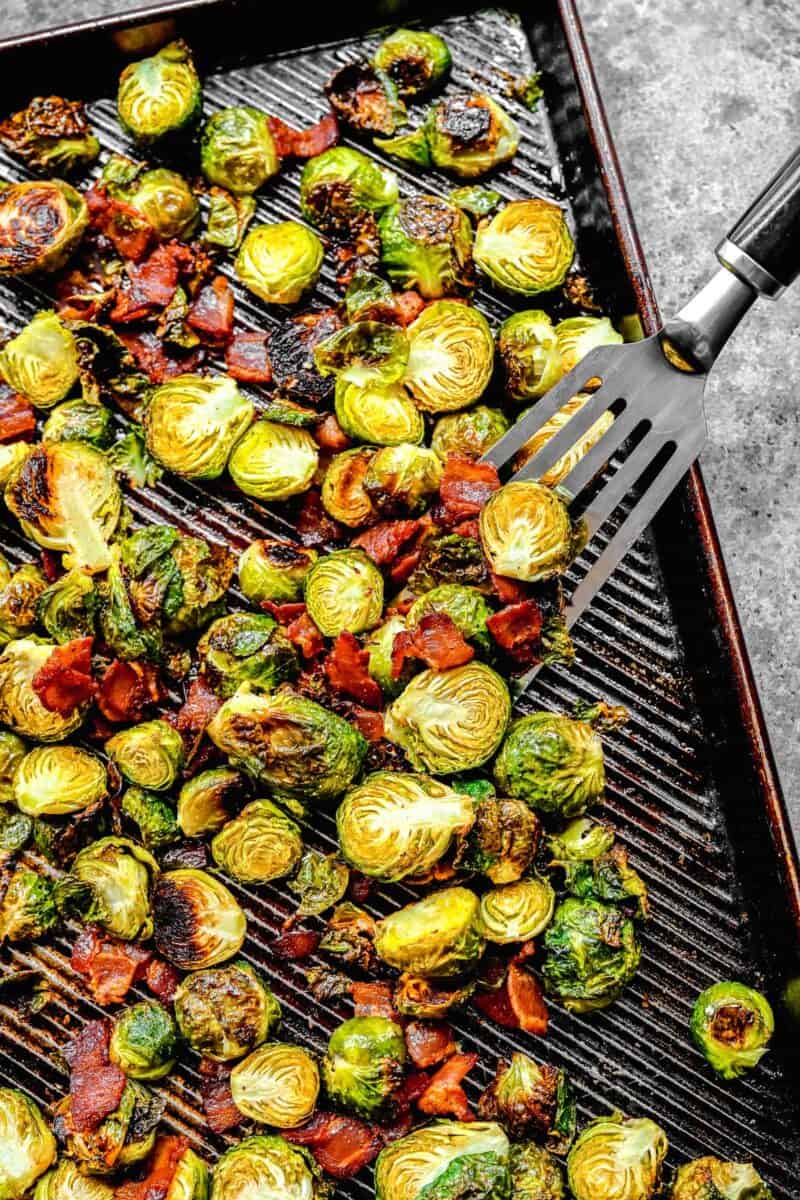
<point x="763" y="247"/>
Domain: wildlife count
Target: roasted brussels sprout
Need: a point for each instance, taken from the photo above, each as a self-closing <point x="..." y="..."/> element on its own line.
<point x="273" y="462"/>
<point x="436" y="937"/>
<point x="11" y="457"/>
<point x="109" y="884"/>
<point x="267" y="1167"/>
<point x="531" y="1101"/>
<point x="563" y="465"/>
<point x="710" y="1178"/>
<point x="378" y="413"/>
<point x="475" y="199"/>
<point x="192" y="422"/>
<point x="340" y="185"/>
<point x="591" y="953"/>
<point x="465" y="606"/>
<point x="20" y="707"/>
<point x="12" y="752"/>
<point x="379" y="645"/>
<point x="191" y="1180"/>
<point x="276" y="1085"/>
<point x="274" y="570"/>
<point x="528" y="349"/>
<point x="470" y="134"/>
<point x="450" y="358"/>
<point x="452" y="720"/>
<point x="580" y="841"/>
<point x="608" y="877"/>
<point x="343" y="495"/>
<point x="363" y="353"/>
<point x="731" y="1025"/>
<point x="280" y="262"/>
<point x="204" y="802"/>
<point x="261" y="844"/>
<point x="400" y="479"/>
<point x="365" y="98"/>
<point x="19" y="601"/>
<point x="41" y="224"/>
<point x="344" y="590"/>
<point x="526" y="247"/>
<point x="154" y="817"/>
<point x="447" y="1159"/>
<point x="228" y="218"/>
<point x="406" y="147"/>
<point x="518" y="911"/>
<point x="320" y="881"/>
<point x="28" y="907"/>
<point x="165" y="200"/>
<point x="150" y="754"/>
<point x="226" y="1012"/>
<point x="364" y="1064"/>
<point x="553" y="763"/>
<point x="67" y="1182"/>
<point x="159" y="96"/>
<point x="51" y="135"/>
<point x="296" y="748"/>
<point x="426" y="244"/>
<point x="237" y="150"/>
<point x="503" y="841"/>
<point x="617" y="1156"/>
<point x="535" y="1174"/>
<point x="416" y="60"/>
<point x="79" y="421"/>
<point x="470" y="433"/>
<point x="197" y="922"/>
<point x="41" y="362"/>
<point x="28" y="1146"/>
<point x="51" y="781"/>
<point x="576" y="336"/>
<point x="430" y="999"/>
<point x="124" y="1137"/>
<point x="527" y="532"/>
<point x="396" y="824"/>
<point x="144" y="1041"/>
<point x="245" y="648"/>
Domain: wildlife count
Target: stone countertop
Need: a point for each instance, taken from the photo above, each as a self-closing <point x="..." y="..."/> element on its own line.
<point x="703" y="102"/>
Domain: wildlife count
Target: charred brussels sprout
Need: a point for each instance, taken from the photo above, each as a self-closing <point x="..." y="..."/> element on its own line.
<point x="204" y="802"/>
<point x="364" y="352"/>
<point x="266" y="1167"/>
<point x="450" y="720"/>
<point x="52" y="781"/>
<point x="245" y="648"/>
<point x="465" y="606"/>
<point x="535" y="1174"/>
<point x="503" y="841"/>
<point x="527" y="532"/>
<point x="225" y="1012"/>
<point x="580" y="841"/>
<point x="380" y="414"/>
<point x="528" y="349"/>
<point x="518" y="911"/>
<point x="426" y="243"/>
<point x="340" y="185"/>
<point x="416" y="60"/>
<point x="591" y="953"/>
<point x="166" y="201"/>
<point x="154" y="817"/>
<point x="192" y="422"/>
<point x="400" y="480"/>
<point x="531" y="1100"/>
<point x="320" y="881"/>
<point x="526" y="247"/>
<point x="144" y="1041"/>
<point x="11" y="457"/>
<point x="619" y="1157"/>
<point x="576" y="336"/>
<point x="28" y="908"/>
<point x="41" y="362"/>
<point x="159" y="96"/>
<point x="20" y="707"/>
<point x="125" y="1136"/>
<point x="342" y="494"/>
<point x="67" y="1182"/>
<point x="150" y="754"/>
<point x="274" y="570"/>
<point x="379" y="646"/>
<point x="19" y="601"/>
<point x="731" y="1025"/>
<point x="470" y="433"/>
<point x="41" y="224"/>
<point x="430" y="999"/>
<point x="109" y="884"/>
<point x="276" y="1085"/>
<point x="436" y="937"/>
<point x="197" y="922"/>
<point x="450" y="358"/>
<point x="364" y="1064"/>
<point x="79" y="421"/>
<point x="610" y="878"/>
<point x="261" y="844"/>
<point x="553" y="763"/>
<point x="562" y="466"/>
<point x="710" y="1178"/>
<point x="273" y="462"/>
<point x="446" y="1159"/>
<point x="394" y="824"/>
<point x="28" y="1146"/>
<point x="470" y="134"/>
<point x="344" y="590"/>
<point x="365" y="98"/>
<point x="406" y="147"/>
<point x="51" y="135"/>
<point x="237" y="150"/>
<point x="281" y="262"/>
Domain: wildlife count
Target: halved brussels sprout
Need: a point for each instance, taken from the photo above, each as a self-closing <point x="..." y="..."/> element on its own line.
<point x="617" y="1157"/>
<point x="67" y="1182"/>
<point x="451" y="356"/>
<point x="470" y="134"/>
<point x="197" y="922"/>
<point x="527" y="532"/>
<point x="470" y="433"/>
<point x="144" y="1041"/>
<point x="274" y="570"/>
<point x="465" y="606"/>
<point x="552" y="762"/>
<point x="344" y="591"/>
<point x="261" y="844"/>
<point x="80" y="421"/>
<point x="165" y="200"/>
<point x="41" y="362"/>
<point x="12" y="752"/>
<point x="274" y="462"/>
<point x="426" y="244"/>
<point x="267" y="1168"/>
<point x="379" y="645"/>
<point x="430" y="999"/>
<point x="365" y="98"/>
<point x="276" y="1085"/>
<point x="28" y="908"/>
<point x="19" y="601"/>
<point x="51" y="135"/>
<point x="191" y="1179"/>
<point x="368" y="297"/>
<point x="452" y="720"/>
<point x="380" y="414"/>
<point x="342" y="493"/>
<point x="124" y="1137"/>
<point x="436" y="937"/>
<point x="401" y="479"/>
<point x="28" y="1146"/>
<point x="228" y="218"/>
<point x="225" y="1012"/>
<point x="159" y="96"/>
<point x="610" y="878"/>
<point x="66" y="497"/>
<point x="320" y="881"/>
<point x="504" y="839"/>
<point x="192" y="422"/>
<point x="11" y="457"/>
<point x="280" y="262"/>
<point x="41" y="223"/>
<point x="395" y="824"/>
<point x="528" y="349"/>
<point x="415" y="59"/>
<point x="237" y="150"/>
<point x="526" y="247"/>
<point x="245" y="648"/>
<point x="51" y="781"/>
<point x="710" y="1178"/>
<point x="518" y="911"/>
<point x="205" y="802"/>
<point x="149" y="754"/>
<point x="535" y="1174"/>
<point x="531" y="1100"/>
<point x="338" y="186"/>
<point x="731" y="1025"/>
<point x="20" y="707"/>
<point x="591" y="953"/>
<point x="562" y="466"/>
<point x="576" y="336"/>
<point x="154" y="817"/>
<point x="109" y="884"/>
<point x="364" y="1064"/>
<point x="580" y="841"/>
<point x="363" y="353"/>
<point x="446" y="1159"/>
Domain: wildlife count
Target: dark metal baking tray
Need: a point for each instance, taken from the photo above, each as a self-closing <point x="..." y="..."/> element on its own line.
<point x="692" y="786"/>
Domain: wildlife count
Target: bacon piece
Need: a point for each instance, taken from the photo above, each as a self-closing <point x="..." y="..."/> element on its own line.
<point x="199" y="708"/>
<point x="414" y="1085"/>
<point x="247" y="358"/>
<point x="162" y="979"/>
<point x="517" y="628"/>
<point x="526" y="999"/>
<point x="497" y="1007"/>
<point x="150" y="356"/>
<point x="129" y="232"/>
<point x="436" y="640"/>
<point x="329" y="435"/>
<point x="95" y="1083"/>
<point x="510" y="591"/>
<point x="368" y="723"/>
<point x="444" y="1095"/>
<point x="346" y="670"/>
<point x="466" y="486"/>
<point x="383" y="541"/>
<point x="398" y="1125"/>
<point x="470" y="529"/>
<point x="303" y="633"/>
<point x="373" y="1000"/>
<point x="215" y="1095"/>
<point x="408" y="306"/>
<point x="50" y="565"/>
<point x="341" y="1145"/>
<point x="126" y="689"/>
<point x="304" y="143"/>
<point x="211" y="312"/>
<point x="313" y="524"/>
<point x="284" y="614"/>
<point x="429" y="1042"/>
<point x="64" y="681"/>
<point x="109" y="965"/>
<point x="151" y="283"/>
<point x="401" y="570"/>
<point x="17" y="418"/>
<point x="359" y="887"/>
<point x="163" y="1164"/>
<point x="295" y="944"/>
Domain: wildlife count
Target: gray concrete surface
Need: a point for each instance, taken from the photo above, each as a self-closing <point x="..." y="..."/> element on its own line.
<point x="703" y="98"/>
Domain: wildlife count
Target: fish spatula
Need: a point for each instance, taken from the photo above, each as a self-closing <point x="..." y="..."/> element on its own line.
<point x="654" y="390"/>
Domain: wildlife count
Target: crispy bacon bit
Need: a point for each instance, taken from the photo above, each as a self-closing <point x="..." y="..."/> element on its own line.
<point x="314" y="526"/>
<point x="130" y="233"/>
<point x="402" y="569"/>
<point x="304" y="143"/>
<point x="436" y="640"/>
<point x="295" y="944"/>
<point x="414" y="1085"/>
<point x="247" y="358"/>
<point x="150" y="356"/>
<point x="211" y="313"/>
<point x="95" y="1083"/>
<point x="126" y="689"/>
<point x="526" y="999"/>
<point x="50" y="565"/>
<point x="373" y="1000"/>
<point x="517" y="628"/>
<point x="510" y="591"/>
<point x="384" y="541"/>
<point x="110" y="966"/>
<point x="466" y="486"/>
<point x="526" y="951"/>
<point x="162" y="979"/>
<point x="444" y="1095"/>
<point x="346" y="670"/>
<point x="360" y="886"/>
<point x="215" y="1094"/>
<point x="151" y="283"/>
<point x="470" y="529"/>
<point x="429" y="1042"/>
<point x="397" y="1126"/>
<point x="199" y="708"/>
<point x="303" y="633"/>
<point x="284" y="614"/>
<point x="408" y="306"/>
<point x="369" y="724"/>
<point x="329" y="435"/>
<point x="65" y="680"/>
<point x="163" y="1164"/>
<point x="341" y="1145"/>
<point x="17" y="418"/>
<point x="497" y="1007"/>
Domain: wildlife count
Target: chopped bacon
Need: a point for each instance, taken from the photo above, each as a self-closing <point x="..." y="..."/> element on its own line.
<point x="199" y="708"/>
<point x="303" y="633"/>
<point x="162" y="979"/>
<point x="401" y="570"/>
<point x="129" y="232"/>
<point x="295" y="944"/>
<point x="329" y="435"/>
<point x="346" y="670"/>
<point x="526" y="951"/>
<point x="95" y="1083"/>
<point x="341" y="1145"/>
<point x="510" y="591"/>
<point x="313" y="524"/>
<point x="429" y="1042"/>
<point x="151" y="283"/>
<point x="360" y="885"/>
<point x="470" y="529"/>
<point x="517" y="628"/>
<point x="110" y="966"/>
<point x="497" y="1007"/>
<point x="414" y="1085"/>
<point x="444" y="1095"/>
<point x="526" y="999"/>
<point x="150" y="356"/>
<point x="398" y="1125"/>
<point x="368" y="723"/>
<point x="163" y="1164"/>
<point x="304" y="143"/>
<point x="436" y="639"/>
<point x="126" y="689"/>
<point x="284" y="614"/>
<point x="247" y="358"/>
<point x="220" y="1110"/>
<point x="384" y="541"/>
<point x="408" y="305"/>
<point x="64" y="681"/>
<point x="211" y="313"/>
<point x="373" y="1000"/>
<point x="50" y="565"/>
<point x="17" y="417"/>
<point x="81" y="296"/>
<point x="466" y="486"/>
